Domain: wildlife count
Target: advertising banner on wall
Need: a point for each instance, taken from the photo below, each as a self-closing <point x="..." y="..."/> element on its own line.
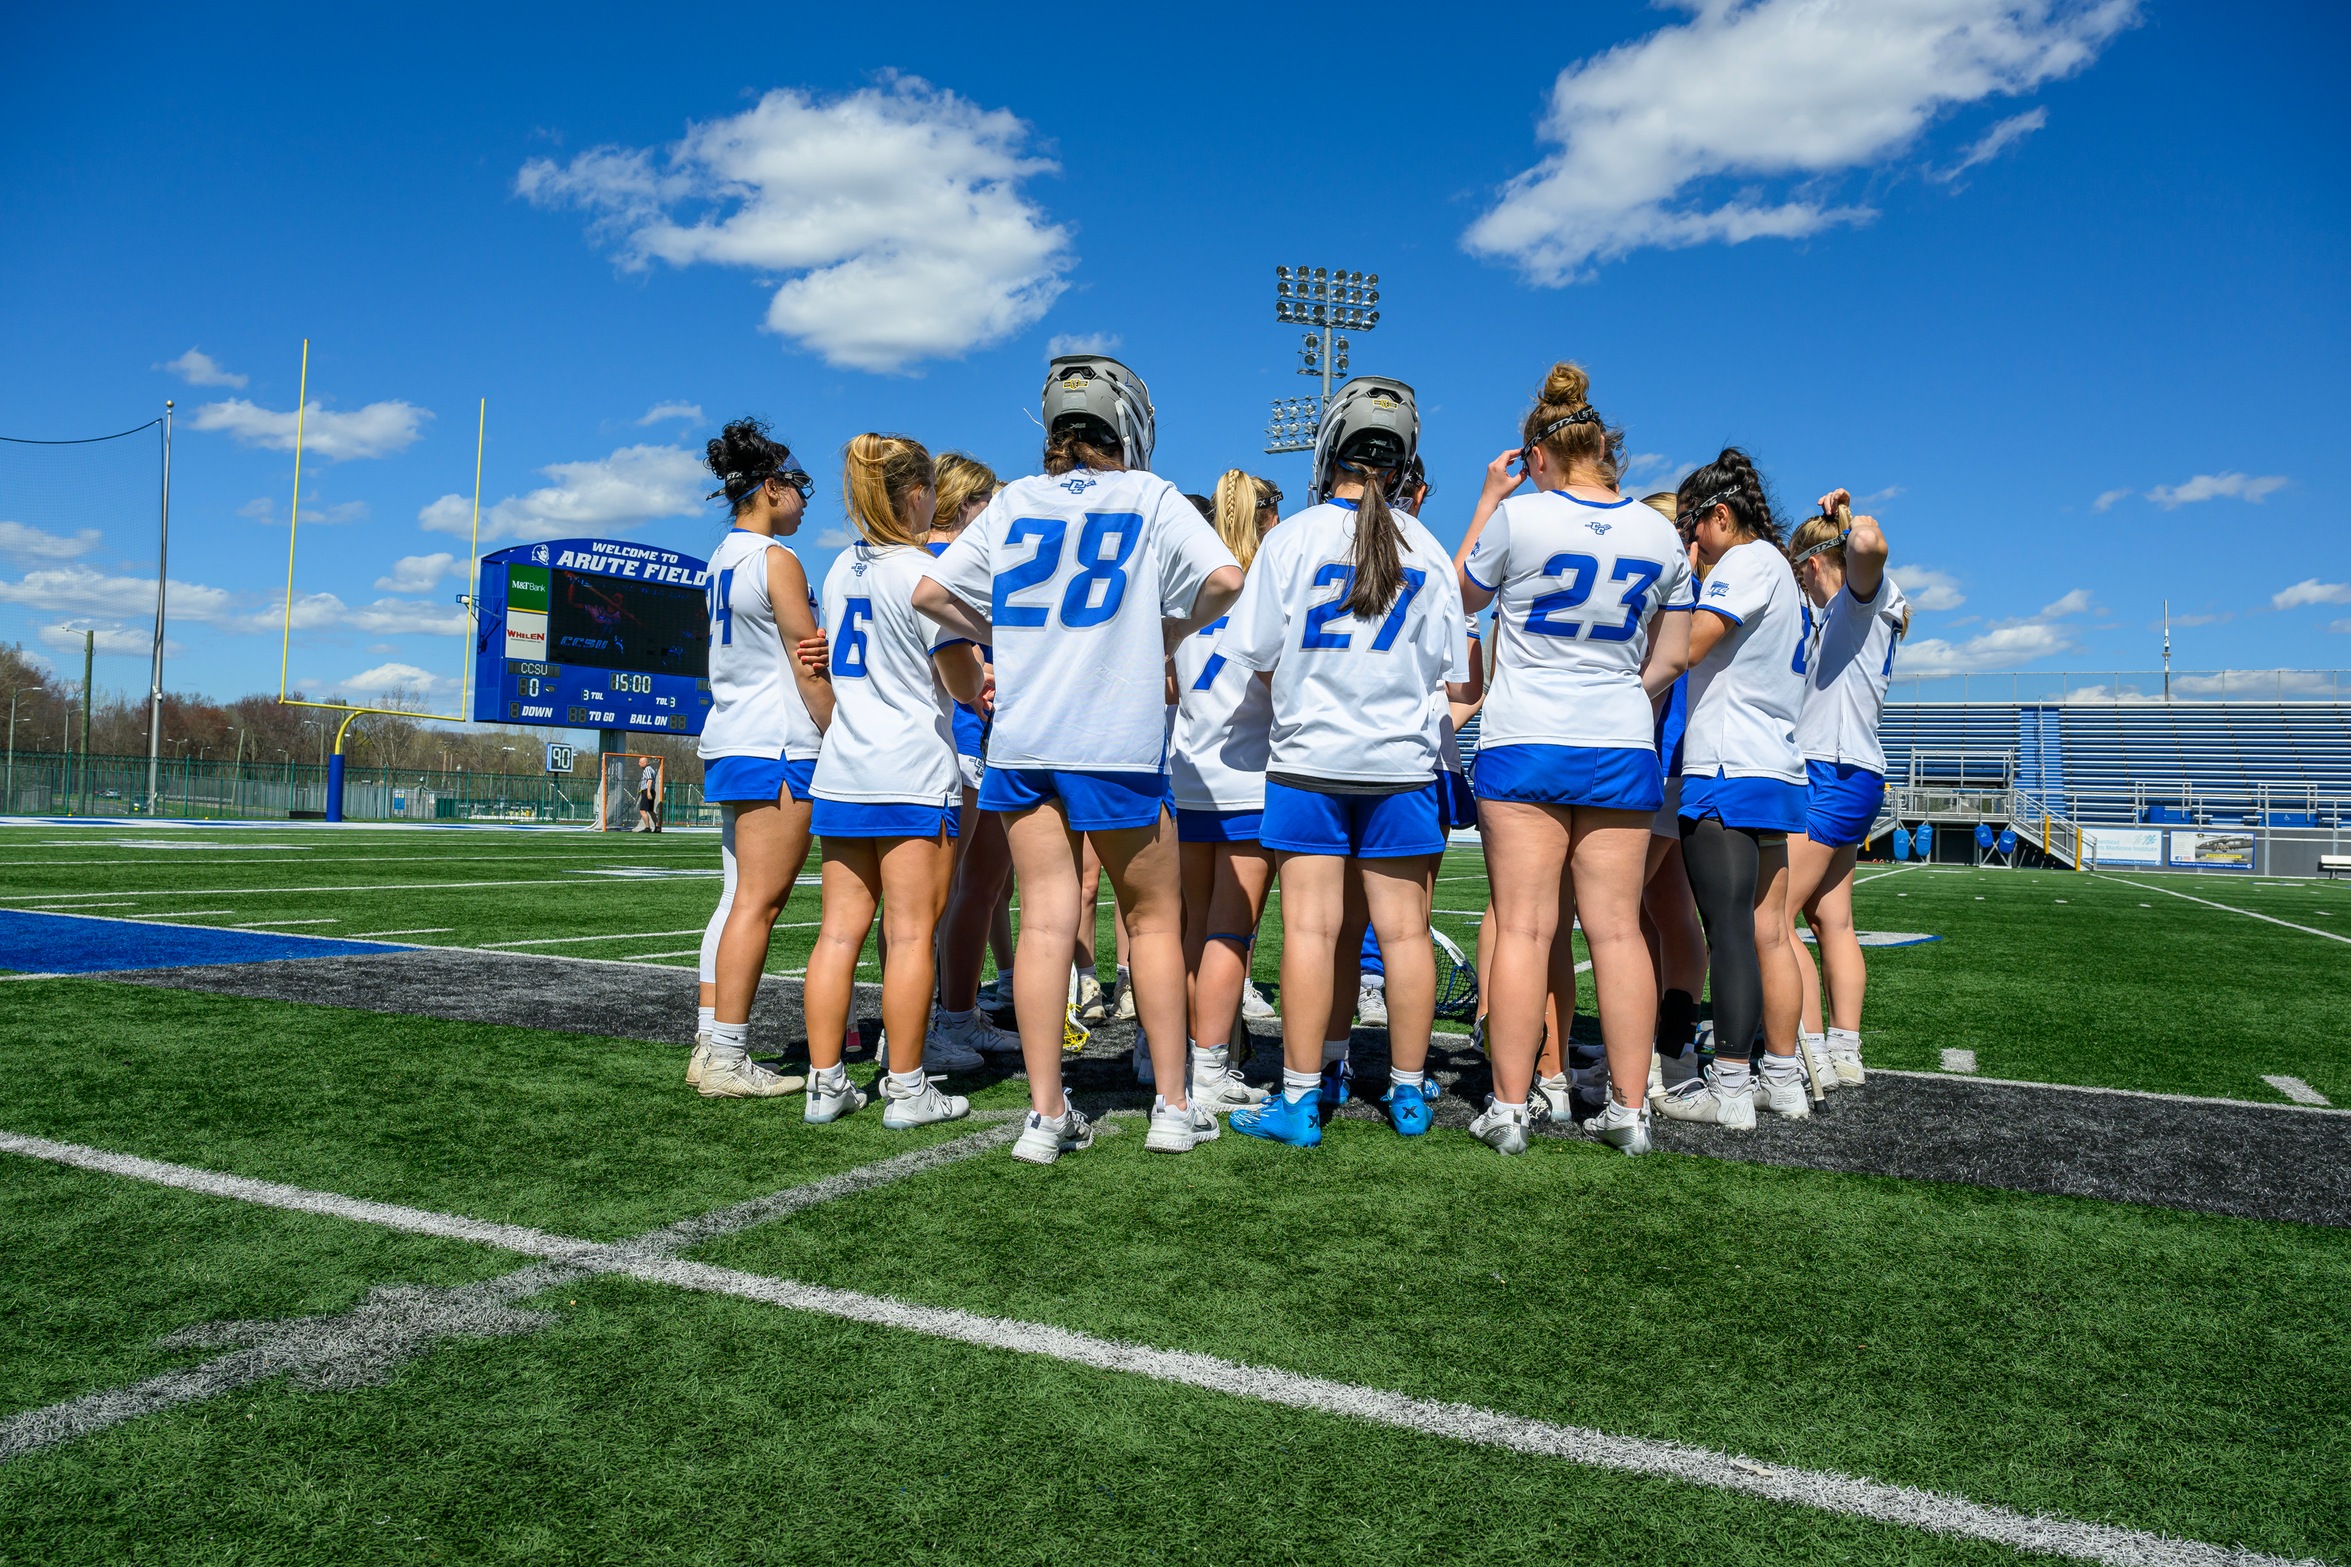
<point x="2224" y="851"/>
<point x="2123" y="845"/>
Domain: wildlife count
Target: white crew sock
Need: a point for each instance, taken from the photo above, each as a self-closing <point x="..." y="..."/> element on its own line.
<point x="908" y="1082"/>
<point x="1731" y="1074"/>
<point x="729" y="1041"/>
<point x="1297" y="1086"/>
<point x="1845" y="1041"/>
<point x="703" y="1018"/>
<point x="1335" y="1050"/>
<point x="1403" y="1079"/>
<point x="1504" y="1104"/>
<point x="1816" y="1041"/>
<point x="832" y="1079"/>
<point x="1207" y="1060"/>
<point x="1782" y="1069"/>
<point x="1372" y="982"/>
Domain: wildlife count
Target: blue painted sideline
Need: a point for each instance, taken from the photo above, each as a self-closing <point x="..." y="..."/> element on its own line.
<point x="85" y="944"/>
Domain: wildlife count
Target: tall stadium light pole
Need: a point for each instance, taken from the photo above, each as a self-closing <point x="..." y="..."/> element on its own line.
<point x="1326" y="303"/>
<point x="162" y="575"/>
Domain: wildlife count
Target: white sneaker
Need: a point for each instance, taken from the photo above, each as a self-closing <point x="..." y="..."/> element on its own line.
<point x="1144" y="1072"/>
<point x="1217" y="1086"/>
<point x="942" y="1052"/>
<point x="1846" y="1064"/>
<point x="699" y="1059"/>
<point x="975" y="1033"/>
<point x="1124" y="1012"/>
<point x="1785" y="1097"/>
<point x="924" y="1105"/>
<point x="1623" y="1128"/>
<point x="1555" y="1097"/>
<point x="826" y="1105"/>
<point x="1180" y="1131"/>
<point x="1254" y="1007"/>
<point x="1656" y="1073"/>
<point x="1814" y="1048"/>
<point x="744" y="1078"/>
<point x="1371" y="1005"/>
<point x="1704" y="1099"/>
<point x="1500" y="1128"/>
<point x="1042" y="1141"/>
<point x="1085" y="994"/>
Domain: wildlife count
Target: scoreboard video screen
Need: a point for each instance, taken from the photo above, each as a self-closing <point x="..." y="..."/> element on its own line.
<point x="593" y="634"/>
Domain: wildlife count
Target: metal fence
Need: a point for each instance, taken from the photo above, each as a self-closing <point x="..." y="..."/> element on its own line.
<point x="2127" y="687"/>
<point x="51" y="784"/>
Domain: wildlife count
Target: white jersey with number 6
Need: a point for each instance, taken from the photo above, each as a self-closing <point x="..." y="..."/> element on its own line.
<point x="1745" y="693"/>
<point x="1578" y="587"/>
<point x="1076" y="572"/>
<point x="891" y="739"/>
<point x="755" y="708"/>
<point x="1848" y="665"/>
<point x="1351" y="698"/>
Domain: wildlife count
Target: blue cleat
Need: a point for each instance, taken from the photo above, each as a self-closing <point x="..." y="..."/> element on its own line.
<point x="1409" y="1110"/>
<point x="1281" y="1120"/>
<point x="1338" y="1085"/>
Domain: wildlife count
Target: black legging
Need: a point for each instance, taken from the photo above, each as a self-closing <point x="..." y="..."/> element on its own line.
<point x="1723" y="863"/>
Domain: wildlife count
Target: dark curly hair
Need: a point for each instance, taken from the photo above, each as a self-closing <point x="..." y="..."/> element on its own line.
<point x="744" y="456"/>
<point x="1732" y="481"/>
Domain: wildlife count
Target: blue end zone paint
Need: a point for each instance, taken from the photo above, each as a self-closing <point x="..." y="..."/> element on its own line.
<point x="80" y="944"/>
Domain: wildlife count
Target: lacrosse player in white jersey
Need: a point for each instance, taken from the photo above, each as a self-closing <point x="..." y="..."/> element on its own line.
<point x="886" y="786"/>
<point x="1353" y="612"/>
<point x="1078" y="577"/>
<point x="1857" y="617"/>
<point x="1743" y="792"/>
<point x="1216" y="774"/>
<point x="759" y="744"/>
<point x="1567" y="776"/>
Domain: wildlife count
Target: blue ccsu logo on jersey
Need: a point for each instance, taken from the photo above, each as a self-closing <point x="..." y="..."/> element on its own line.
<point x="1078" y="483"/>
<point x="538" y="554"/>
<point x="1599" y="527"/>
<point x="1719" y="590"/>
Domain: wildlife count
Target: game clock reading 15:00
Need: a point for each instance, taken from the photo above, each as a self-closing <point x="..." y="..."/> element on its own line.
<point x="593" y="633"/>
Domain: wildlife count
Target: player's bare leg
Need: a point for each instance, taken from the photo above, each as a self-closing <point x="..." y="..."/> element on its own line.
<point x="771" y="844"/>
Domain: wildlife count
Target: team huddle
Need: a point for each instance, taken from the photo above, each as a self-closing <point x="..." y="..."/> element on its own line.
<point x="1087" y="674"/>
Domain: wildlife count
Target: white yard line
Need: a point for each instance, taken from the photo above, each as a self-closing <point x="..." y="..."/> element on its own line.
<point x="2307" y="930"/>
<point x="1882" y="875"/>
<point x="185" y="914"/>
<point x="621" y="882"/>
<point x="651" y="1258"/>
<point x="43" y="908"/>
<point x="422" y="930"/>
<point x="2295" y="1089"/>
<point x="682" y="952"/>
<point x="258" y="924"/>
<point x="1962" y="1061"/>
<point x="558" y="941"/>
<point x="2127" y="1093"/>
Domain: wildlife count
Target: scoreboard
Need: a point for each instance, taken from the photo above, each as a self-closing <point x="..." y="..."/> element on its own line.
<point x="592" y="634"/>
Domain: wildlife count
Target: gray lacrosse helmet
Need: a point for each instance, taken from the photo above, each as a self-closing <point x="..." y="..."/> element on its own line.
<point x="1372" y="422"/>
<point x="1097" y="390"/>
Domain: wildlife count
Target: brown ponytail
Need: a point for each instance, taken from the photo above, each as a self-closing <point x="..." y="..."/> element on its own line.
<point x="1379" y="553"/>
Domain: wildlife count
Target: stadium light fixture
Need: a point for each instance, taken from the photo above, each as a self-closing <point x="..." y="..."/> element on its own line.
<point x="1326" y="302"/>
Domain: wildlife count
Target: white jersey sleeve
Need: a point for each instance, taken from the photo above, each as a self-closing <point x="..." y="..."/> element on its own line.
<point x="892" y="740"/>
<point x="1746" y="693"/>
<point x="1578" y="586"/>
<point x="1076" y="573"/>
<point x="1849" y="663"/>
<point x="1351" y="699"/>
<point x="756" y="708"/>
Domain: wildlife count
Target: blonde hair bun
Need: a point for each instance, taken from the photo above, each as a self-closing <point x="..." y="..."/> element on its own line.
<point x="1567" y="386"/>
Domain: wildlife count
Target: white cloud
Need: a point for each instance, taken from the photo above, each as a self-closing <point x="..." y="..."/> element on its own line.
<point x="1996" y="141"/>
<point x="2004" y="646"/>
<point x="417" y="573"/>
<point x="2107" y="498"/>
<point x="2311" y="591"/>
<point x="1082" y="343"/>
<point x="29" y="543"/>
<point x="264" y="510"/>
<point x="1667" y="140"/>
<point x="378" y="430"/>
<point x="836" y="537"/>
<point x="1878" y="497"/>
<point x="897" y="210"/>
<point x="2339" y="625"/>
<point x="385" y="617"/>
<point x="199" y="368"/>
<point x="395" y="680"/>
<point x="79" y="590"/>
<point x="2212" y="486"/>
<point x="661" y="413"/>
<point x="1930" y="591"/>
<point x="112" y="637"/>
<point x="636" y="484"/>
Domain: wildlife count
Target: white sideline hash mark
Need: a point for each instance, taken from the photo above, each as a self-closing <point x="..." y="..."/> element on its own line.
<point x="649" y="1258"/>
<point x="2296" y="1089"/>
<point x="2307" y="930"/>
<point x="1958" y="1060"/>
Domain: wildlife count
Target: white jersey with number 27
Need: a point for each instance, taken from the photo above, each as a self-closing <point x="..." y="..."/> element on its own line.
<point x="1076" y="571"/>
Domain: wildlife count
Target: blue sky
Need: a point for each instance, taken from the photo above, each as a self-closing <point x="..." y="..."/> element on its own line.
<point x="2059" y="286"/>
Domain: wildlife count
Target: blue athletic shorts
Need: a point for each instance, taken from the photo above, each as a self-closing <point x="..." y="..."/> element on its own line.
<point x="741" y="779"/>
<point x="1217" y="826"/>
<point x="1094" y="802"/>
<point x="1457" y="802"/>
<point x="1606" y="778"/>
<point x="1358" y="826"/>
<point x="1843" y="802"/>
<point x="888" y="819"/>
<point x="1757" y="804"/>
